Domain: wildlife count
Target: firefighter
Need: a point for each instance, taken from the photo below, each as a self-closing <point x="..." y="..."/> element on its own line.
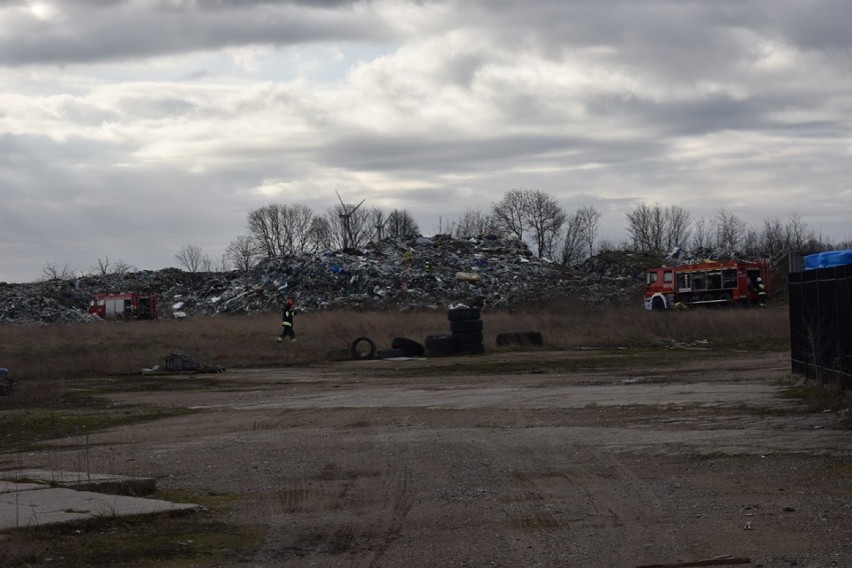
<point x="761" y="292"/>
<point x="287" y="321"/>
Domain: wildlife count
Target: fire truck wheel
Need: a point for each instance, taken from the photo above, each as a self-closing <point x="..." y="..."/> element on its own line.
<point x="657" y="304"/>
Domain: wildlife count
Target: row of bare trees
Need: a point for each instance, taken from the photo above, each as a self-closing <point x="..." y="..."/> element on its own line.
<point x="526" y="214"/>
<point x="653" y="228"/>
<point x="291" y="229"/>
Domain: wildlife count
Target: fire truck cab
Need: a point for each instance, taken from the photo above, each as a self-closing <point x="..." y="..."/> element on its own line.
<point x="705" y="283"/>
<point x="124" y="306"/>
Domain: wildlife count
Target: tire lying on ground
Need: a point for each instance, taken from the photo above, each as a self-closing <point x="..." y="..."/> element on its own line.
<point x="469" y="337"/>
<point x="390" y="353"/>
<point x="409" y="347"/>
<point x="440" y="345"/>
<point x="459" y="314"/>
<point x="466" y="330"/>
<point x="466" y="326"/>
<point x="357" y="353"/>
<point x="520" y="338"/>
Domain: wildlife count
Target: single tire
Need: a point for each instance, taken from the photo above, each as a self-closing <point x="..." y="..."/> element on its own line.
<point x="466" y="326"/>
<point x="459" y="314"/>
<point x="657" y="304"/>
<point x="471" y="349"/>
<point x="410" y="347"/>
<point x="471" y="337"/>
<point x="390" y="353"/>
<point x="440" y="345"/>
<point x="520" y="338"/>
<point x="358" y="354"/>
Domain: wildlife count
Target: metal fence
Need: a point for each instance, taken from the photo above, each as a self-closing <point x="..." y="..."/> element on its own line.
<point x="821" y="324"/>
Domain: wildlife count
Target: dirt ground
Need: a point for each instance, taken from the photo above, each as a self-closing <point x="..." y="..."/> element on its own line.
<point x="580" y="459"/>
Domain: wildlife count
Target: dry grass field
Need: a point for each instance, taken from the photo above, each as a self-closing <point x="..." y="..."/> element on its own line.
<point x="37" y="355"/>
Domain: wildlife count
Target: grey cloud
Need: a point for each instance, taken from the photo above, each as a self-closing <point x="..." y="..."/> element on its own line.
<point x="116" y="31"/>
<point x="441" y="155"/>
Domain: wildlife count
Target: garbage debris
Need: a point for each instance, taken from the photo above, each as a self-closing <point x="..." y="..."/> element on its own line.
<point x="179" y="362"/>
<point x="398" y="273"/>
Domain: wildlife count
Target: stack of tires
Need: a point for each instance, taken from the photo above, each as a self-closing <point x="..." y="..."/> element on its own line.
<point x="465" y="336"/>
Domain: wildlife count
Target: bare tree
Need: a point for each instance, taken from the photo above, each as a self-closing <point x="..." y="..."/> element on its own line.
<point x="264" y="227"/>
<point x="730" y="231"/>
<point x="773" y="241"/>
<point x="474" y="222"/>
<point x="510" y="213"/>
<point x="295" y="222"/>
<point x="280" y="228"/>
<point x="702" y="238"/>
<point x="102" y="269"/>
<point x="751" y="244"/>
<point x="190" y="257"/>
<point x="654" y="228"/>
<point x="797" y="232"/>
<point x="401" y="223"/>
<point x="377" y="220"/>
<point x="677" y="225"/>
<point x="241" y="253"/>
<point x="573" y="245"/>
<point x="319" y="234"/>
<point x="646" y="226"/>
<point x="544" y="218"/>
<point x="589" y="219"/>
<point x="105" y="267"/>
<point x="52" y="271"/>
<point x="349" y="225"/>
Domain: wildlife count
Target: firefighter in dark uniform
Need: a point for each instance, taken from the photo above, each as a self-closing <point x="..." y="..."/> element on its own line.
<point x="761" y="292"/>
<point x="287" y="321"/>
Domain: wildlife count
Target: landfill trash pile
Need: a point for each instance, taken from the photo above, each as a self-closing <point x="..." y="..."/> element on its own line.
<point x="393" y="274"/>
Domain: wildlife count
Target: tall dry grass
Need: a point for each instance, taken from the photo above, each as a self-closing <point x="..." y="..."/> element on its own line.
<point x="60" y="352"/>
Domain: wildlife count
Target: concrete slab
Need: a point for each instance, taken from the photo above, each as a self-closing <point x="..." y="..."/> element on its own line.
<point x="38" y="497"/>
<point x="83" y="481"/>
<point x="28" y="508"/>
<point x="11" y="486"/>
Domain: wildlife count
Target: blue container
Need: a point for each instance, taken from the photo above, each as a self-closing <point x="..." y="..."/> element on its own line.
<point x="828" y="259"/>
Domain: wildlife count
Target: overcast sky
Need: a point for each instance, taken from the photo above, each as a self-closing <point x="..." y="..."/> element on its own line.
<point x="131" y="128"/>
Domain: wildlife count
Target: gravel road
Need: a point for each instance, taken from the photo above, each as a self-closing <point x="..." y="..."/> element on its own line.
<point x="552" y="462"/>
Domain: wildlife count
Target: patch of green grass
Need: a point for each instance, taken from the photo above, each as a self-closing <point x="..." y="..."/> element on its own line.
<point x="25" y="429"/>
<point x="567" y="361"/>
<point x="821" y="396"/>
<point x="173" y="540"/>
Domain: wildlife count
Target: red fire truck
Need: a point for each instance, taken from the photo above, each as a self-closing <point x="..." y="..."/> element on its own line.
<point x="705" y="283"/>
<point x="125" y="306"/>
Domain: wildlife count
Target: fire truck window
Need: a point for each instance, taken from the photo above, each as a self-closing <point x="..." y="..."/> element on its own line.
<point x="729" y="278"/>
<point x="714" y="280"/>
<point x="652" y="277"/>
<point x="667" y="277"/>
<point x="699" y="281"/>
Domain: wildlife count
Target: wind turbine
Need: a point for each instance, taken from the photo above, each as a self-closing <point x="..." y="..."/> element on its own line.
<point x="345" y="219"/>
